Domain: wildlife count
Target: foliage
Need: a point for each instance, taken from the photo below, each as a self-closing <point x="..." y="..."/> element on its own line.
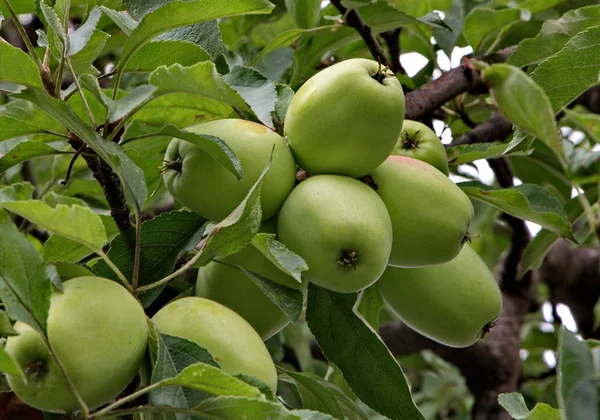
<point x="88" y="110"/>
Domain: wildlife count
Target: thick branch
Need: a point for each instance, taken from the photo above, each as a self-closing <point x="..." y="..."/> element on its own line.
<point x="354" y="20"/>
<point x="436" y="93"/>
<point x="495" y="128"/>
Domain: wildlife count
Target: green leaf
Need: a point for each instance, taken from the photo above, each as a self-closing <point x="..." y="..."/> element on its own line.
<point x="8" y="364"/>
<point x="576" y="386"/>
<point x="26" y="111"/>
<point x="276" y="252"/>
<point x="524" y="103"/>
<point x="22" y="70"/>
<point x="80" y="224"/>
<point x="543" y="411"/>
<point x="465" y="153"/>
<point x="163" y="239"/>
<point x="57" y="37"/>
<point x="201" y="79"/>
<point x="515" y="405"/>
<point x="83" y="60"/>
<point x="538" y="247"/>
<point x="214" y="146"/>
<point x="179" y="13"/>
<point x="212" y="380"/>
<point x="571" y="71"/>
<point x="258" y="91"/>
<point x="305" y="13"/>
<point x="315" y="394"/>
<point x="253" y="408"/>
<point x="554" y="35"/>
<point x="587" y="122"/>
<point x="79" y="38"/>
<point x="16" y="191"/>
<point x="370" y="305"/>
<point x="60" y="249"/>
<point x="482" y="23"/>
<point x="527" y="201"/>
<point x="132" y="177"/>
<point x="24" y="283"/>
<point x="174" y="355"/>
<point x="6" y="327"/>
<point x="12" y="127"/>
<point x="121" y="18"/>
<point x="284" y="97"/>
<point x="290" y="301"/>
<point x="25" y="151"/>
<point x="236" y="230"/>
<point x="368" y="366"/>
<point x="166" y="53"/>
<point x="284" y="39"/>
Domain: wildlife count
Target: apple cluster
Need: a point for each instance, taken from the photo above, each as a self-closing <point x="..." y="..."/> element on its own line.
<point x="377" y="206"/>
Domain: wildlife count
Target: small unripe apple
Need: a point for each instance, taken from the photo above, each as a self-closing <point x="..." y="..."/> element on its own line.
<point x="200" y="183"/>
<point x="453" y="303"/>
<point x="346" y="119"/>
<point x="420" y="142"/>
<point x="99" y="332"/>
<point x="227" y="336"/>
<point x="430" y="214"/>
<point x="342" y="230"/>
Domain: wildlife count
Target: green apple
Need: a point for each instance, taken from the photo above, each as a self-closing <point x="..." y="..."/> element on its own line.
<point x="235" y="290"/>
<point x="227" y="336"/>
<point x="430" y="214"/>
<point x="346" y="119"/>
<point x="453" y="303"/>
<point x="420" y="142"/>
<point x="99" y="332"/>
<point x="342" y="230"/>
<point x="200" y="183"/>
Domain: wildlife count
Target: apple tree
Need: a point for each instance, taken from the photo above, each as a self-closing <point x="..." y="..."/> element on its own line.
<point x="299" y="209"/>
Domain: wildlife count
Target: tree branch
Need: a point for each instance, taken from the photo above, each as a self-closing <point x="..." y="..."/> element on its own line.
<point x="354" y="20"/>
<point x="436" y="93"/>
<point x="495" y="128"/>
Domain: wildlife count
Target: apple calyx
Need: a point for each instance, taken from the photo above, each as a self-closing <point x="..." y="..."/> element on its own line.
<point x="35" y="370"/>
<point x="175" y="165"/>
<point x="486" y="328"/>
<point x="410" y="142"/>
<point x="381" y="74"/>
<point x="349" y="259"/>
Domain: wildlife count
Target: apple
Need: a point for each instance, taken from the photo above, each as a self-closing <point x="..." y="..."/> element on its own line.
<point x="227" y="336"/>
<point x="346" y="119"/>
<point x="430" y="214"/>
<point x="420" y="142"/>
<point x="342" y="230"/>
<point x="99" y="332"/>
<point x="453" y="303"/>
<point x="200" y="183"/>
<point x="234" y="289"/>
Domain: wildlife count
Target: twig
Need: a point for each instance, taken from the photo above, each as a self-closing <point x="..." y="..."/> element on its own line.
<point x="354" y="20"/>
<point x="124" y="400"/>
<point x="80" y="90"/>
<point x="26" y="40"/>
<point x="392" y="40"/>
<point x="116" y="270"/>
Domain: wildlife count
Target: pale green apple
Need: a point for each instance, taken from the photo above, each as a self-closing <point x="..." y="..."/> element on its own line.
<point x="200" y="183"/>
<point x="99" y="332"/>
<point x="346" y="119"/>
<point x="453" y="303"/>
<point x="342" y="230"/>
<point x="420" y="142"/>
<point x="430" y="214"/>
<point x="227" y="336"/>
